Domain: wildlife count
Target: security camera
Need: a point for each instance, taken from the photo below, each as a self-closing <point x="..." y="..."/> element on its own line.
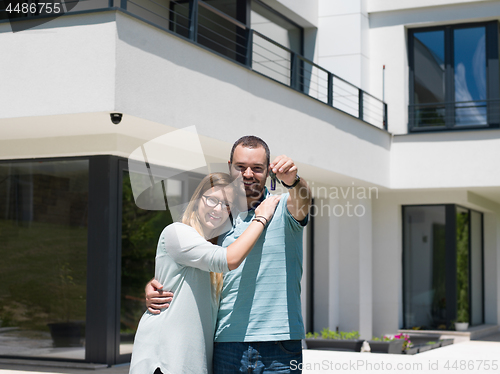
<point x="116" y="118"/>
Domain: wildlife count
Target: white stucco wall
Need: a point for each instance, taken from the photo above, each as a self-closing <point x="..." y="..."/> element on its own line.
<point x="325" y="276"/>
<point x="343" y="264"/>
<point x="304" y="13"/>
<point x="374" y="6"/>
<point x="343" y="40"/>
<point x="64" y="66"/>
<point x="443" y="160"/>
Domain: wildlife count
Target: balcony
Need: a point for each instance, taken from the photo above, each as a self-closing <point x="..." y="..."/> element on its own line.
<point x="211" y="28"/>
<point x="454" y="115"/>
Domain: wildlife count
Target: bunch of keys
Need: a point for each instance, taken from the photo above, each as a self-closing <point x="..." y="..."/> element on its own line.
<point x="273" y="180"/>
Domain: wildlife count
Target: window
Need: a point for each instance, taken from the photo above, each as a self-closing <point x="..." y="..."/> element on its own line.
<point x="442" y="266"/>
<point x="275" y="26"/>
<point x="268" y="58"/>
<point x="454" y="77"/>
<point x="220" y="25"/>
<point x="43" y="266"/>
<point x="224" y="27"/>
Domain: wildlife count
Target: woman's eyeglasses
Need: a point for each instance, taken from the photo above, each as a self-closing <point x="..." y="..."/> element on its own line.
<point x="212" y="202"/>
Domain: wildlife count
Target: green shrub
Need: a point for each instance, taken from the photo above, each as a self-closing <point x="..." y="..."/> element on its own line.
<point x="329" y="334"/>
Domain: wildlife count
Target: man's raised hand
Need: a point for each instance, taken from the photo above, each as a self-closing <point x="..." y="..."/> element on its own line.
<point x="284" y="168"/>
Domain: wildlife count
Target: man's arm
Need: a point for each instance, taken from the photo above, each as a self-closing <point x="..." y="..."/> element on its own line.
<point x="299" y="201"/>
<point x="156" y="298"/>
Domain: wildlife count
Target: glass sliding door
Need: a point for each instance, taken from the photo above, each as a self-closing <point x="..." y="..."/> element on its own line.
<point x="424" y="266"/>
<point x="43" y="258"/>
<point x="442" y="266"/>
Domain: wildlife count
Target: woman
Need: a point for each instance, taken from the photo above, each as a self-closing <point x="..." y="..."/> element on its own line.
<point x="179" y="340"/>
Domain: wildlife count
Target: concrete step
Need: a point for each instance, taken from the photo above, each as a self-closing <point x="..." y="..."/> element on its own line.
<point x="472" y="333"/>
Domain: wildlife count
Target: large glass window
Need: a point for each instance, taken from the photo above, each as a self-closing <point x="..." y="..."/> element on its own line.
<point x="442" y="266"/>
<point x="271" y="24"/>
<point x="268" y="58"/>
<point x="217" y="24"/>
<point x="424" y="266"/>
<point x="451" y="84"/>
<point x="43" y="252"/>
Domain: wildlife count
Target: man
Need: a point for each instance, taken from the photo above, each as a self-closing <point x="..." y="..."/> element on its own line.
<point x="259" y="324"/>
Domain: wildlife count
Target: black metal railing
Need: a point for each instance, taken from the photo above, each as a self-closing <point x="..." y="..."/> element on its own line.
<point x="288" y="67"/>
<point x="457" y="114"/>
<point x="205" y="25"/>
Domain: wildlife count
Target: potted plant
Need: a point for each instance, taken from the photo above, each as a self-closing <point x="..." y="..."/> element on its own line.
<point x="462" y="323"/>
<point x="387" y="344"/>
<point x="328" y="339"/>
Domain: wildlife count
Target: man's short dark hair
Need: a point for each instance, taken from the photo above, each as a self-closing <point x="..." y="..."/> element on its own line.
<point x="251" y="141"/>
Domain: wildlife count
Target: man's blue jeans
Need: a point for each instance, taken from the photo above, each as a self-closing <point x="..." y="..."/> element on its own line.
<point x="258" y="357"/>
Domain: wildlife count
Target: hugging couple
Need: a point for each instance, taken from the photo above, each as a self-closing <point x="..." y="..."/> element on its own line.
<point x="232" y="268"/>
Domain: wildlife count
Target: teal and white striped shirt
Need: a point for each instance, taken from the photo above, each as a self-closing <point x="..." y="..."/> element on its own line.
<point x="261" y="298"/>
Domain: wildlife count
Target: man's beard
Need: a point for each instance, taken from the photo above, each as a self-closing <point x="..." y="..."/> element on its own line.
<point x="255" y="190"/>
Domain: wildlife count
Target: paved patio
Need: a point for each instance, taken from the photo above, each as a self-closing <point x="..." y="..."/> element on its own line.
<point x="476" y="356"/>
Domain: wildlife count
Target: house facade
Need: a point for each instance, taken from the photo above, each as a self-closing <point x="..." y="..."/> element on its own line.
<point x="390" y="109"/>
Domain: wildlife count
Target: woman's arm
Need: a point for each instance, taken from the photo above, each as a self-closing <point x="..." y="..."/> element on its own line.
<point x="239" y="250"/>
<point x="188" y="248"/>
<point x="157" y="299"/>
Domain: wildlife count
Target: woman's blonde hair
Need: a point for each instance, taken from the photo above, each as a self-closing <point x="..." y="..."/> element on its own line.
<point x="191" y="217"/>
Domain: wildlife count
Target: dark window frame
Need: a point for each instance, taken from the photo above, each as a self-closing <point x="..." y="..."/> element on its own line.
<point x="492" y="75"/>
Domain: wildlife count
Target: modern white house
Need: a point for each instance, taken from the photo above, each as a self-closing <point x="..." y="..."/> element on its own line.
<point x="390" y="109"/>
